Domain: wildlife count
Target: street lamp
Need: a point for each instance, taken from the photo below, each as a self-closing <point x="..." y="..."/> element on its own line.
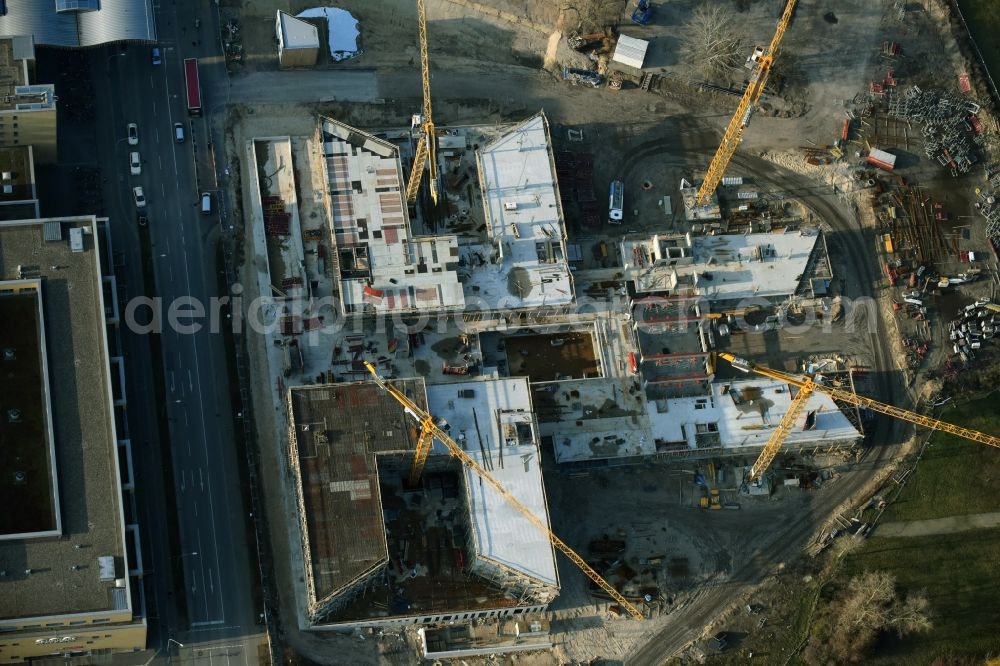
<point x="170" y="640"/>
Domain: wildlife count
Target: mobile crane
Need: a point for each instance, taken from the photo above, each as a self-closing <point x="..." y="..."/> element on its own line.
<point x="761" y="61"/>
<point x="427" y="144"/>
<point x="430" y="430"/>
<point x="807" y="386"/>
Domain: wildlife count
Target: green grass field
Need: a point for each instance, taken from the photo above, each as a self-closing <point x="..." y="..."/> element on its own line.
<point x="955" y="476"/>
<point x="983" y="17"/>
<point x="957" y="572"/>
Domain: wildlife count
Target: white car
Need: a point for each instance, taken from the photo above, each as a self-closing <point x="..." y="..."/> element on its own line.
<point x="135" y="164"/>
<point x="139" y="197"/>
<point x="133" y="134"/>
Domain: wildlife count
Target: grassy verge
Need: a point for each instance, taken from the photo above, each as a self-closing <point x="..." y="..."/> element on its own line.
<point x="983" y="17"/>
<point x="957" y="572"/>
<point x="955" y="476"/>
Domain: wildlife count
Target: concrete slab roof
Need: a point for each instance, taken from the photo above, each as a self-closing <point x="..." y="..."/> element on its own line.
<point x="493" y="421"/>
<point x="383" y="267"/>
<point x="64" y="574"/>
<point x="339" y="429"/>
<point x="593" y="419"/>
<point x="731" y="267"/>
<point x="525" y="264"/>
<point x="745" y="413"/>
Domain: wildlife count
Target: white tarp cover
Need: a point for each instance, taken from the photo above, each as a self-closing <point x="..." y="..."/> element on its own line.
<point x="630" y="51"/>
<point x="342" y="28"/>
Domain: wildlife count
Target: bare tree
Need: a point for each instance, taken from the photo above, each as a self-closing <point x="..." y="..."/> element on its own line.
<point x="870" y="605"/>
<point x="712" y="41"/>
<point x="911" y="616"/>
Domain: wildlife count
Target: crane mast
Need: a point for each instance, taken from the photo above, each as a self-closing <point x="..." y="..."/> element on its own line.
<point x="807" y="386"/>
<point x="427" y="144"/>
<point x="430" y="428"/>
<point x="744" y="110"/>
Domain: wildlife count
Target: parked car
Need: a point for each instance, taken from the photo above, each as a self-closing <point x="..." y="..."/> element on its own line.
<point x="206" y="203"/>
<point x="134" y="163"/>
<point x="133" y="134"/>
<point x="139" y="197"/>
<point x="142" y="220"/>
<point x="178" y="133"/>
<point x="157" y="59"/>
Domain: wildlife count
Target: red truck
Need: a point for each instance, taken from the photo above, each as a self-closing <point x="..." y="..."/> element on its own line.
<point x="193" y="85"/>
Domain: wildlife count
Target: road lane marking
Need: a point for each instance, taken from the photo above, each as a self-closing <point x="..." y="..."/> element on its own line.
<point x="190" y="382"/>
<point x="171" y="373"/>
<point x="187" y="277"/>
<point x="182" y="481"/>
<point x="201" y="479"/>
<point x="211" y="580"/>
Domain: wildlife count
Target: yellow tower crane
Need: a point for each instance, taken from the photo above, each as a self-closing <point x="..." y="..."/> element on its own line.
<point x="734" y="131"/>
<point x="429" y="431"/>
<point x="427" y="144"/>
<point x="807" y="387"/>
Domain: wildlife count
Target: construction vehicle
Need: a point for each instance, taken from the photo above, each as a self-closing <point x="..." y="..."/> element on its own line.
<point x="760" y="62"/>
<point x="807" y="386"/>
<point x="643" y="13"/>
<point x="427" y="143"/>
<point x="430" y="430"/>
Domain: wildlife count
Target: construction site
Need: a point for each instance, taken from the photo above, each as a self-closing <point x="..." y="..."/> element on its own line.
<point x="541" y="375"/>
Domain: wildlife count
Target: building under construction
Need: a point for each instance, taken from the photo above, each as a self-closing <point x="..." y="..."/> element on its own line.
<point x="376" y="551"/>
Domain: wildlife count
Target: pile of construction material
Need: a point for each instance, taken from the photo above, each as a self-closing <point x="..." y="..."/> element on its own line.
<point x="950" y="125"/>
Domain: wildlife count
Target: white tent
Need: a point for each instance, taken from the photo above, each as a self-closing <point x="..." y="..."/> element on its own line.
<point x="630" y="51"/>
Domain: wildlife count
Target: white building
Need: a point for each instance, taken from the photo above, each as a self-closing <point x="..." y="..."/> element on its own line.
<point x="383" y="268"/>
<point x="524" y="265"/>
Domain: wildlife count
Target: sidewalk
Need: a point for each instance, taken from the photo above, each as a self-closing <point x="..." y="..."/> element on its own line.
<point x="949" y="525"/>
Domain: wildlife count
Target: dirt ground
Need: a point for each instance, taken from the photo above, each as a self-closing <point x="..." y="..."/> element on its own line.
<point x="536" y="357"/>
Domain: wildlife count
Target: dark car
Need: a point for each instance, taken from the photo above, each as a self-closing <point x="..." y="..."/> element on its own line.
<point x="143" y="220"/>
<point x="156" y="57"/>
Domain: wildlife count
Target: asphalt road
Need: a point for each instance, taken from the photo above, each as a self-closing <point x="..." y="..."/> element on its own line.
<point x="213" y="549"/>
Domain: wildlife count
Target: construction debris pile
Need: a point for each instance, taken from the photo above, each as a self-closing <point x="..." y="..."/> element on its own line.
<point x="951" y="128"/>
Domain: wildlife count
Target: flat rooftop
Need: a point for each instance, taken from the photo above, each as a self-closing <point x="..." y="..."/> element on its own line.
<point x="383" y="267"/>
<point x="730" y="267"/>
<point x="13" y="72"/>
<point x="65" y="576"/>
<point x="524" y="264"/>
<point x="16" y="176"/>
<point x="745" y="413"/>
<point x="594" y="419"/>
<point x="494" y="422"/>
<point x="413" y="549"/>
<point x="27" y="462"/>
<point x="339" y="430"/>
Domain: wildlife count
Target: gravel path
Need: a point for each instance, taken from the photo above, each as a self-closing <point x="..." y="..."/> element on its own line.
<point x="949" y="525"/>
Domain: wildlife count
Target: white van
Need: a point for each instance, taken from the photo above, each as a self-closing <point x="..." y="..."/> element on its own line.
<point x="206" y="203"/>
